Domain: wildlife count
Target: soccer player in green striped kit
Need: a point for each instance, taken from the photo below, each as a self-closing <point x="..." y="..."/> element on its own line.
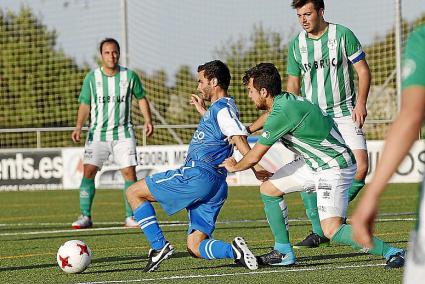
<point x="106" y="96"/>
<point x="322" y="58"/>
<point x="402" y="135"/>
<point x="325" y="164"/>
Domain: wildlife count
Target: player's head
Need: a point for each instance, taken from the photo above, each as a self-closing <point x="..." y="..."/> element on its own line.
<point x="211" y="75"/>
<point x="263" y="81"/>
<point x="110" y="52"/>
<point x="310" y="14"/>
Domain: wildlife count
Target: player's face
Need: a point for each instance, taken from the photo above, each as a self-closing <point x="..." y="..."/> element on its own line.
<point x="255" y="96"/>
<point x="309" y="18"/>
<point x="204" y="86"/>
<point x="110" y="55"/>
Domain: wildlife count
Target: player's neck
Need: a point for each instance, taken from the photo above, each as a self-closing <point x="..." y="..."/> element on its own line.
<point x="322" y="28"/>
<point x="110" y="71"/>
<point x="218" y="95"/>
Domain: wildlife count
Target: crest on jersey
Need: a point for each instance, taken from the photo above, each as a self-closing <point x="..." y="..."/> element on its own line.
<point x="207" y="115"/>
<point x="266" y="134"/>
<point x="303" y="49"/>
<point x="124" y="84"/>
<point x="332" y="44"/>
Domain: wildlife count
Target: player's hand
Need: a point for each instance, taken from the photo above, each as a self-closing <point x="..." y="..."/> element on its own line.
<point x="262" y="175"/>
<point x="359" y="115"/>
<point x="148" y="128"/>
<point x="363" y="219"/>
<point x="198" y="103"/>
<point x="229" y="164"/>
<point x="76" y="135"/>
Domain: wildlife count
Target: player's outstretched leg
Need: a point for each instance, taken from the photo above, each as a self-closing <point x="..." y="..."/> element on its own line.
<point x="238" y="250"/>
<point x="160" y="248"/>
<point x="395" y="256"/>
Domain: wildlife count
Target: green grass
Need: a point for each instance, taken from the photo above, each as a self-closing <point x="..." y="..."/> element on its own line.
<point x="28" y="221"/>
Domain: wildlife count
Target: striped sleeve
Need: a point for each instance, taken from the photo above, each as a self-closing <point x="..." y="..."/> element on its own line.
<point x="86" y="90"/>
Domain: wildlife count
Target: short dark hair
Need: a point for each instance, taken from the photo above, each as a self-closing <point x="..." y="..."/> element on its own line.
<point x="109" y="40"/>
<point x="264" y="75"/>
<point x="219" y="70"/>
<point x="318" y="4"/>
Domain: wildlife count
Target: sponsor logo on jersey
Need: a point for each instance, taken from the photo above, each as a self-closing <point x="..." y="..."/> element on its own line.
<point x="332" y="44"/>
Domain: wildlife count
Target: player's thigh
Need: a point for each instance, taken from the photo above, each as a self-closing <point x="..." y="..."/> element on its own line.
<point x="332" y="191"/>
<point x="352" y="135"/>
<point x="124" y="151"/>
<point x="139" y="190"/>
<point x="96" y="152"/>
<point x="203" y="214"/>
<point x="178" y="189"/>
<point x="292" y="177"/>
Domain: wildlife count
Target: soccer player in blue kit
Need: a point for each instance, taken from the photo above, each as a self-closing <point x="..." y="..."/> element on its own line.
<point x="199" y="186"/>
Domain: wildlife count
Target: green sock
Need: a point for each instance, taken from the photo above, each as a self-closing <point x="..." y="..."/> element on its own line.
<point x="355" y="188"/>
<point x="277" y="221"/>
<point x="87" y="191"/>
<point x="128" y="211"/>
<point x="343" y="236"/>
<point x="310" y="205"/>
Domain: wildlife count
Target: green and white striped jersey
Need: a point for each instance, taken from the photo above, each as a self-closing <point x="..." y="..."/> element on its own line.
<point x="304" y="129"/>
<point x="110" y="98"/>
<point x="325" y="65"/>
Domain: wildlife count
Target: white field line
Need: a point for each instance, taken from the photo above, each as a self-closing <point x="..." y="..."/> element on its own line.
<point x="162" y="224"/>
<point x="177" y="277"/>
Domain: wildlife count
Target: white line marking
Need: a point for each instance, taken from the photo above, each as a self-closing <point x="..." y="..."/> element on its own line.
<point x="235" y="274"/>
<point x="166" y="224"/>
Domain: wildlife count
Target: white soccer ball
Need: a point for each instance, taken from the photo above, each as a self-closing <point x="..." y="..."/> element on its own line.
<point x="74" y="256"/>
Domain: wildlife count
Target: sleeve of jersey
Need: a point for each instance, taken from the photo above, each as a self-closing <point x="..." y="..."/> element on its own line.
<point x="137" y="87"/>
<point x="353" y="47"/>
<point x="86" y="92"/>
<point x="229" y="123"/>
<point x="275" y="127"/>
<point x="413" y="70"/>
<point x="292" y="66"/>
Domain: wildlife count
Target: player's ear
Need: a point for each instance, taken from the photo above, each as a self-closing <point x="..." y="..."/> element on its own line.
<point x="263" y="92"/>
<point x="214" y="82"/>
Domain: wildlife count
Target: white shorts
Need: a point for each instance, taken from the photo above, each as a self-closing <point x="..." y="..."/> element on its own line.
<point x="352" y="135"/>
<point x="331" y="185"/>
<point x="415" y="260"/>
<point x="123" y="152"/>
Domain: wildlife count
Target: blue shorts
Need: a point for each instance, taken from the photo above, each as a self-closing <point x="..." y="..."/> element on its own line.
<point x="198" y="189"/>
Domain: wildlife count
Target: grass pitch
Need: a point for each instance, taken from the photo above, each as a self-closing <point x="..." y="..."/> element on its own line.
<point x="34" y="224"/>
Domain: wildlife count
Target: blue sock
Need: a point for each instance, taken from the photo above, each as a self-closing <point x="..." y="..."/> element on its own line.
<point x="283" y="248"/>
<point x="392" y="251"/>
<point x="215" y="249"/>
<point x="146" y="217"/>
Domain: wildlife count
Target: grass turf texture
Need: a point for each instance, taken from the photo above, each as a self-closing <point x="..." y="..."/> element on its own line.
<point x="34" y="224"/>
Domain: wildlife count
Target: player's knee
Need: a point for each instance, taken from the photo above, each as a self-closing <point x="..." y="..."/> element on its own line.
<point x="268" y="188"/>
<point x="133" y="191"/>
<point x="193" y="253"/>
<point x="362" y="168"/>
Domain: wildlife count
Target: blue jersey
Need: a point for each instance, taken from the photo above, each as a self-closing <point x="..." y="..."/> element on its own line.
<point x="210" y="143"/>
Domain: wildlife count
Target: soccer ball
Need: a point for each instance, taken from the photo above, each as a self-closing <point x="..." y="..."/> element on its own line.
<point x="74" y="256"/>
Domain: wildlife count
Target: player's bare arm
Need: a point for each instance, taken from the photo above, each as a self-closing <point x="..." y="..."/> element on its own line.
<point x="293" y="85"/>
<point x="83" y="113"/>
<point x="243" y="147"/>
<point x="258" y="124"/>
<point x="400" y="138"/>
<point x="249" y="160"/>
<point x="199" y="103"/>
<point x="147" y="116"/>
<point x="360" y="111"/>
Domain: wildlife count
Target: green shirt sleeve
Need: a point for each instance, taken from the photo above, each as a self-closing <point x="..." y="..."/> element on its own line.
<point x="276" y="125"/>
<point x="413" y="70"/>
<point x="293" y="67"/>
<point x="353" y="47"/>
<point x="136" y="86"/>
<point x="86" y="90"/>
